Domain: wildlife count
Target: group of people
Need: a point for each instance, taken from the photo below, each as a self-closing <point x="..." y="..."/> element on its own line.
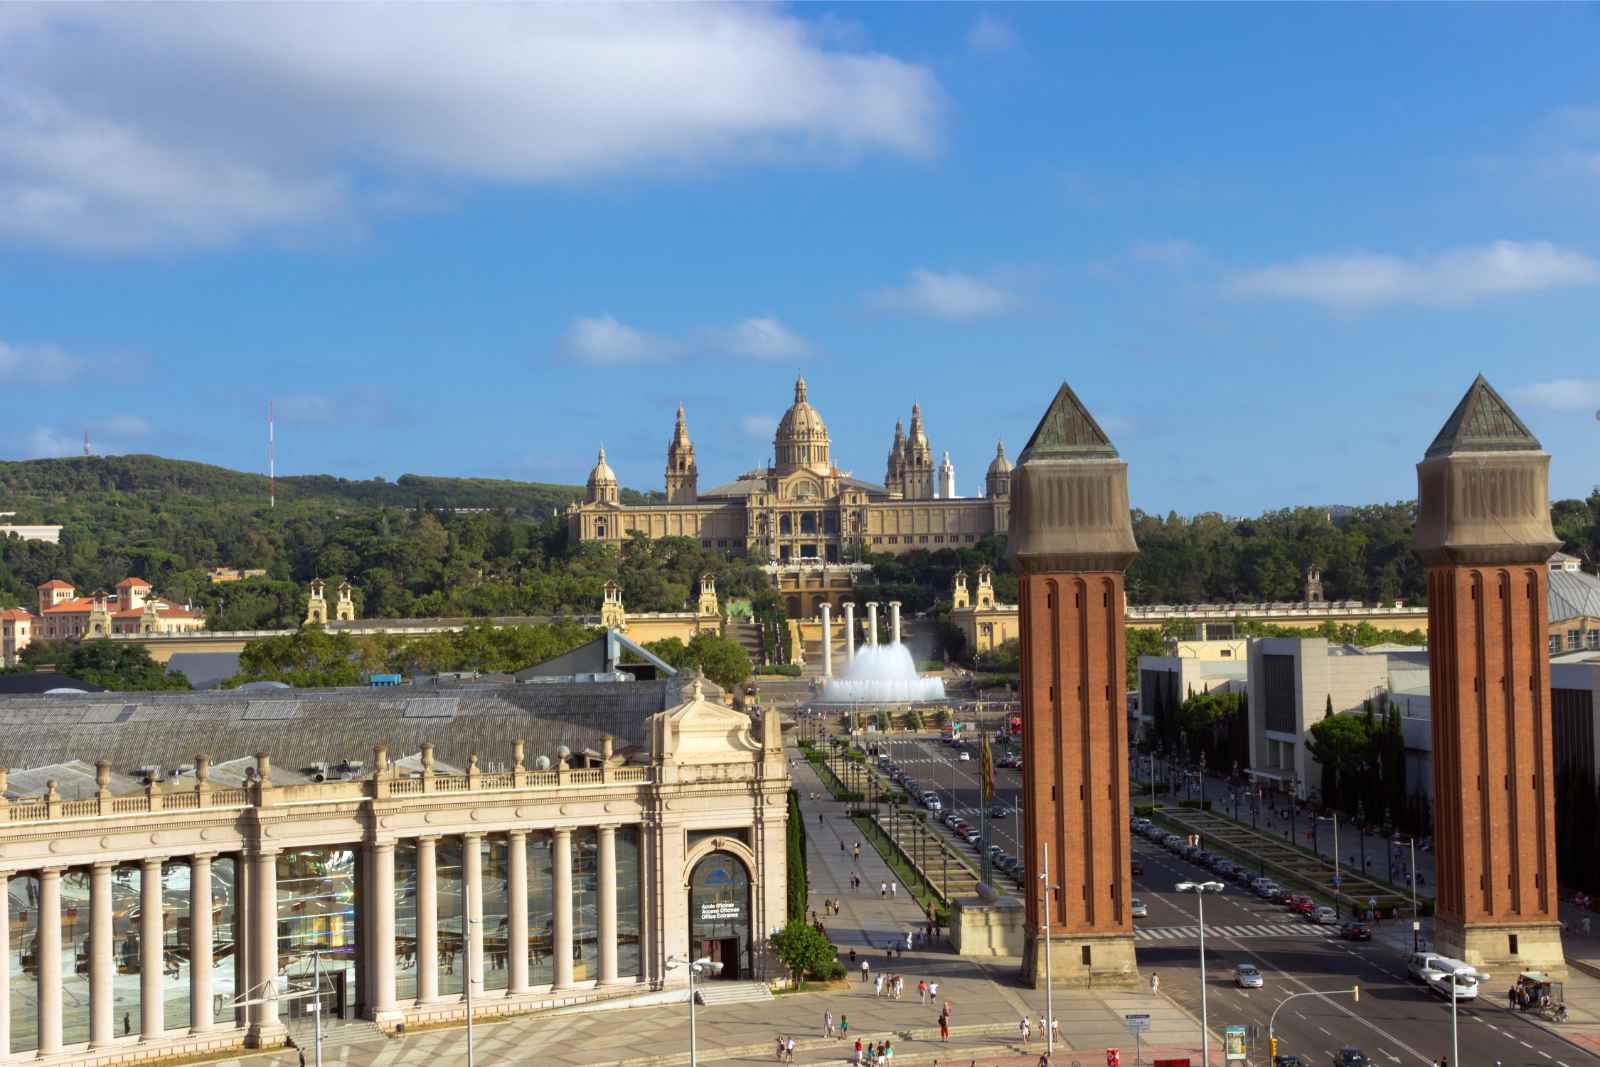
<point x="870" y="1053"/>
<point x="1026" y="1029"/>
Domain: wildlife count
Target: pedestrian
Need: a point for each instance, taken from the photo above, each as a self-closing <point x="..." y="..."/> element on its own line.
<point x="1055" y="1028"/>
<point x="944" y="1028"/>
<point x="856" y="1057"/>
<point x="865" y="966"/>
<point x="894" y="887"/>
<point x="827" y="1024"/>
<point x="933" y="994"/>
<point x="302" y="1055"/>
<point x="946" y="1010"/>
<point x="1155" y="984"/>
<point x="877" y="987"/>
<point x="1044" y="1060"/>
<point x="127" y="1023"/>
<point x="908" y="939"/>
<point x="788" y="1049"/>
<point x="858" y="852"/>
<point x="883" y="890"/>
<point x="1026" y="1031"/>
<point x="780" y="1048"/>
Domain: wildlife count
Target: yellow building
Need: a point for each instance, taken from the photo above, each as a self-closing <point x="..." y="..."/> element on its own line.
<point x="802" y="508"/>
<point x="986" y="623"/>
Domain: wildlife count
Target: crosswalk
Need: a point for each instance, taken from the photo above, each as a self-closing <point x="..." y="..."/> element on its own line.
<point x="1191" y="933"/>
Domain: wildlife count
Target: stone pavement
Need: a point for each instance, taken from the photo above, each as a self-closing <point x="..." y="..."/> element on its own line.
<point x="986" y="999"/>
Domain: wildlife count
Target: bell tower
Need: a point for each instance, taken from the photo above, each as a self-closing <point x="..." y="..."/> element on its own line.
<point x="1483" y="532"/>
<point x="1313" y="585"/>
<point x="1071" y="539"/>
<point x="612" y="617"/>
<point x="317" y="606"/>
<point x="959" y="597"/>
<point x="683" y="476"/>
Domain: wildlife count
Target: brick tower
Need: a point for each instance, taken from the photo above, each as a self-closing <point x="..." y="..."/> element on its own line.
<point x="1071" y="538"/>
<point x="1483" y="531"/>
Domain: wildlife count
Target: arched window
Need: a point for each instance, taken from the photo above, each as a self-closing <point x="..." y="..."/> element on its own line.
<point x="719" y="914"/>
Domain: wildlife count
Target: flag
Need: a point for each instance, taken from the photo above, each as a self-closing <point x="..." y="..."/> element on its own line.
<point x="988" y="772"/>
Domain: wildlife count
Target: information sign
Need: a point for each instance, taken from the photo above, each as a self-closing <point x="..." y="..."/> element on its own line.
<point x="1138" y="1023"/>
<point x="1233" y="1043"/>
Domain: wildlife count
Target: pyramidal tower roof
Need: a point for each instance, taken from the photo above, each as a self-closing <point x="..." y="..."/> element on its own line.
<point x="1482" y="422"/>
<point x="1067" y="431"/>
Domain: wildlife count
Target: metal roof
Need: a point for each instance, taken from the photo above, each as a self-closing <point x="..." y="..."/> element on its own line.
<point x="1572" y="594"/>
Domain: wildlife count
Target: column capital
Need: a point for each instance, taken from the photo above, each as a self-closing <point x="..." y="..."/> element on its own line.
<point x="608" y="827"/>
<point x="514" y="834"/>
<point x="561" y="831"/>
<point x="152" y="861"/>
<point x="206" y="856"/>
<point x="427" y="839"/>
<point x="105" y="865"/>
<point x="473" y="835"/>
<point x="52" y="872"/>
<point x="382" y="846"/>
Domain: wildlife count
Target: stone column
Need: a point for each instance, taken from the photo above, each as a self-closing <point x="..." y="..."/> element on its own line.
<point x="827" y="641"/>
<point x="47" y="951"/>
<point x="102" y="959"/>
<point x="607" y="837"/>
<point x="872" y="622"/>
<point x="381" y="951"/>
<point x="202" y="1011"/>
<point x="152" y="952"/>
<point x="264" y="1023"/>
<point x="849" y="631"/>
<point x="472" y="886"/>
<point x="561" y="891"/>
<point x="894" y="622"/>
<point x="517" y="910"/>
<point x="427" y="922"/>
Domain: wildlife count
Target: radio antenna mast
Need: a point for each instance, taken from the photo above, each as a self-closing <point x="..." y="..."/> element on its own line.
<point x="272" y="462"/>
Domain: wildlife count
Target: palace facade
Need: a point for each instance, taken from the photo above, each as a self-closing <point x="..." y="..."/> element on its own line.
<point x="802" y="508"/>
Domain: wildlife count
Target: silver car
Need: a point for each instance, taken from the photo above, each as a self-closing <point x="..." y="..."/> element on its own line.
<point x="1245" y="976"/>
<point x="1138" y="908"/>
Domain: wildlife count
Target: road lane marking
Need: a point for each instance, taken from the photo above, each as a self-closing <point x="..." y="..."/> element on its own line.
<point x="1325" y="1030"/>
<point x="1524" y="1044"/>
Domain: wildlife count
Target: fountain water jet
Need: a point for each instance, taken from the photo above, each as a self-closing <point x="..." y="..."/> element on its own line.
<point x="882" y="674"/>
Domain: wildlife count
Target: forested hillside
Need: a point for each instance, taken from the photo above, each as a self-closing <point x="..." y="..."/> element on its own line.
<point x="408" y="554"/>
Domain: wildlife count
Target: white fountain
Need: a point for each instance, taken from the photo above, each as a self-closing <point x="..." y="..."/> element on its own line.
<point x="882" y="674"/>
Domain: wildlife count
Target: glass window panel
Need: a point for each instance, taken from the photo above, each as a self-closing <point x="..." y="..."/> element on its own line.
<point x="541" y="909"/>
<point x="225" y="918"/>
<point x="629" y="958"/>
<point x="125" y="910"/>
<point x="447" y="861"/>
<point x="719" y="913"/>
<point x="176" y="944"/>
<point x="317" y="927"/>
<point x="585" y="905"/>
<point x="75" y="926"/>
<point x="405" y="919"/>
<point x="22" y="913"/>
<point x="496" y="920"/>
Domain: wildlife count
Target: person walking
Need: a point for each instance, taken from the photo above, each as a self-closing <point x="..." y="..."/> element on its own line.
<point x="827" y="1024"/>
<point x="844" y="1028"/>
<point x="1155" y="984"/>
<point x="865" y="967"/>
<point x="877" y="987"/>
<point x="922" y="991"/>
<point x="933" y="994"/>
<point x="883" y="890"/>
<point x="944" y="1028"/>
<point x="894" y="887"/>
<point x="1026" y="1031"/>
<point x="857" y="853"/>
<point x="788" y="1049"/>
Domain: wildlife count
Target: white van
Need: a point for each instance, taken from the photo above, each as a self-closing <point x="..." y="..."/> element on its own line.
<point x="1445" y="971"/>
<point x="1419" y="963"/>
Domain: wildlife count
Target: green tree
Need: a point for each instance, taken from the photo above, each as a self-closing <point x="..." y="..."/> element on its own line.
<point x="796" y="866"/>
<point x="724" y="661"/>
<point x="116" y="665"/>
<point x="1141" y="642"/>
<point x="803" y="949"/>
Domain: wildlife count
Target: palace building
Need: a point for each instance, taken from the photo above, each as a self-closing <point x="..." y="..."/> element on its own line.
<point x="558" y="842"/>
<point x="801" y="508"/>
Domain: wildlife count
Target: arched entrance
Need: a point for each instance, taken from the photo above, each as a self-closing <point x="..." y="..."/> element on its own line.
<point x="719" y="914"/>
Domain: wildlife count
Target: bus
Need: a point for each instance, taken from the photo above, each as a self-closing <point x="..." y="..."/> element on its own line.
<point x="950" y="733"/>
<point x="1014" y="726"/>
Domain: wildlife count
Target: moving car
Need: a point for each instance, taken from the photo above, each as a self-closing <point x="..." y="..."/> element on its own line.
<point x="1355" y="931"/>
<point x="965" y="756"/>
<point x="1324" y="916"/>
<point x="1246" y="976"/>
<point x="1440" y="975"/>
<point x="1301" y="904"/>
<point x="1138" y="909"/>
<point x="1349" y="1056"/>
<point x="1138" y="869"/>
<point x="999" y="811"/>
<point x="933" y="804"/>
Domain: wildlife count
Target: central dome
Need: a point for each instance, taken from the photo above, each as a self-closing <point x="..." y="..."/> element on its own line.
<point x="802" y="438"/>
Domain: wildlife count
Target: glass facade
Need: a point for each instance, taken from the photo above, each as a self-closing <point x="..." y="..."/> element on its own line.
<point x="177" y="943"/>
<point x="585" y="905"/>
<point x="630" y="961"/>
<point x="496" y="921"/>
<point x="719" y="913"/>
<point x="541" y="909"/>
<point x="22" y="915"/>
<point x="405" y="919"/>
<point x="317" y="927"/>
<point x="447" y="862"/>
<point x="75" y="955"/>
<point x="227" y="976"/>
<point x="125" y="910"/>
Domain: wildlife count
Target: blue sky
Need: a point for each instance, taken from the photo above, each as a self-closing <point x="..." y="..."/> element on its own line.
<point x="1268" y="245"/>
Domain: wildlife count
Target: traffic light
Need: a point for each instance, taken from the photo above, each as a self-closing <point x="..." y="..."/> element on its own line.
<point x="1272" y="1048"/>
<point x="1355" y="993"/>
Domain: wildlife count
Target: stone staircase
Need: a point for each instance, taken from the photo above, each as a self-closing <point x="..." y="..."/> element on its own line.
<point x="748" y="634"/>
<point x="336" y="1033"/>
<point x="713" y="993"/>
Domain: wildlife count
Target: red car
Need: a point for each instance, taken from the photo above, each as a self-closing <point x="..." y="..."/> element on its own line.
<point x="1301" y="904"/>
<point x="1354" y="931"/>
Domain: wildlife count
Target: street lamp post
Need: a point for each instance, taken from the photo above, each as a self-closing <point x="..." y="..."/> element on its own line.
<point x="1272" y="1020"/>
<point x="1416" y="925"/>
<point x="1200" y="889"/>
<point x="1049" y="1002"/>
<point x="701" y="966"/>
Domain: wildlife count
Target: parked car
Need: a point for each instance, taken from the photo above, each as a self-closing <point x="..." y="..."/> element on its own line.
<point x="972" y="835"/>
<point x="1266" y="890"/>
<point x="1355" y="931"/>
<point x="1138" y="909"/>
<point x="1246" y="976"/>
<point x="1324" y="916"/>
<point x="1138" y="869"/>
<point x="1280" y="895"/>
<point x="999" y="811"/>
<point x="934" y="805"/>
<point x="1301" y="904"/>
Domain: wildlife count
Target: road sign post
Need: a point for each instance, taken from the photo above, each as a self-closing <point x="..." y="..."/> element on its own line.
<point x="1138" y="1023"/>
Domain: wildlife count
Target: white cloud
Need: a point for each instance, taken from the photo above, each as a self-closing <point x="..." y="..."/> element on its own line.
<point x="363" y="404"/>
<point x="108" y="435"/>
<point x="990" y="34"/>
<point x="945" y="296"/>
<point x="1561" y="394"/>
<point x="1176" y="254"/>
<point x="758" y="338"/>
<point x="1454" y="276"/>
<point x="758" y="427"/>
<point x="126" y="127"/>
<point x="37" y="365"/>
<point x="603" y="341"/>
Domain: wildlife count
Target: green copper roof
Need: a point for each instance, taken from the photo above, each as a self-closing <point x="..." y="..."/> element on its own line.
<point x="1067" y="431"/>
<point x="1482" y="422"/>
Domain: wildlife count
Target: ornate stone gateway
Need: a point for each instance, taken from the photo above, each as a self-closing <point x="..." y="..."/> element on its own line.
<point x="719" y="913"/>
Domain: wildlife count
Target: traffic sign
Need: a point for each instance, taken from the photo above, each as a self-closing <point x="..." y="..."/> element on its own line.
<point x="1138" y="1023"/>
<point x="1233" y="1043"/>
